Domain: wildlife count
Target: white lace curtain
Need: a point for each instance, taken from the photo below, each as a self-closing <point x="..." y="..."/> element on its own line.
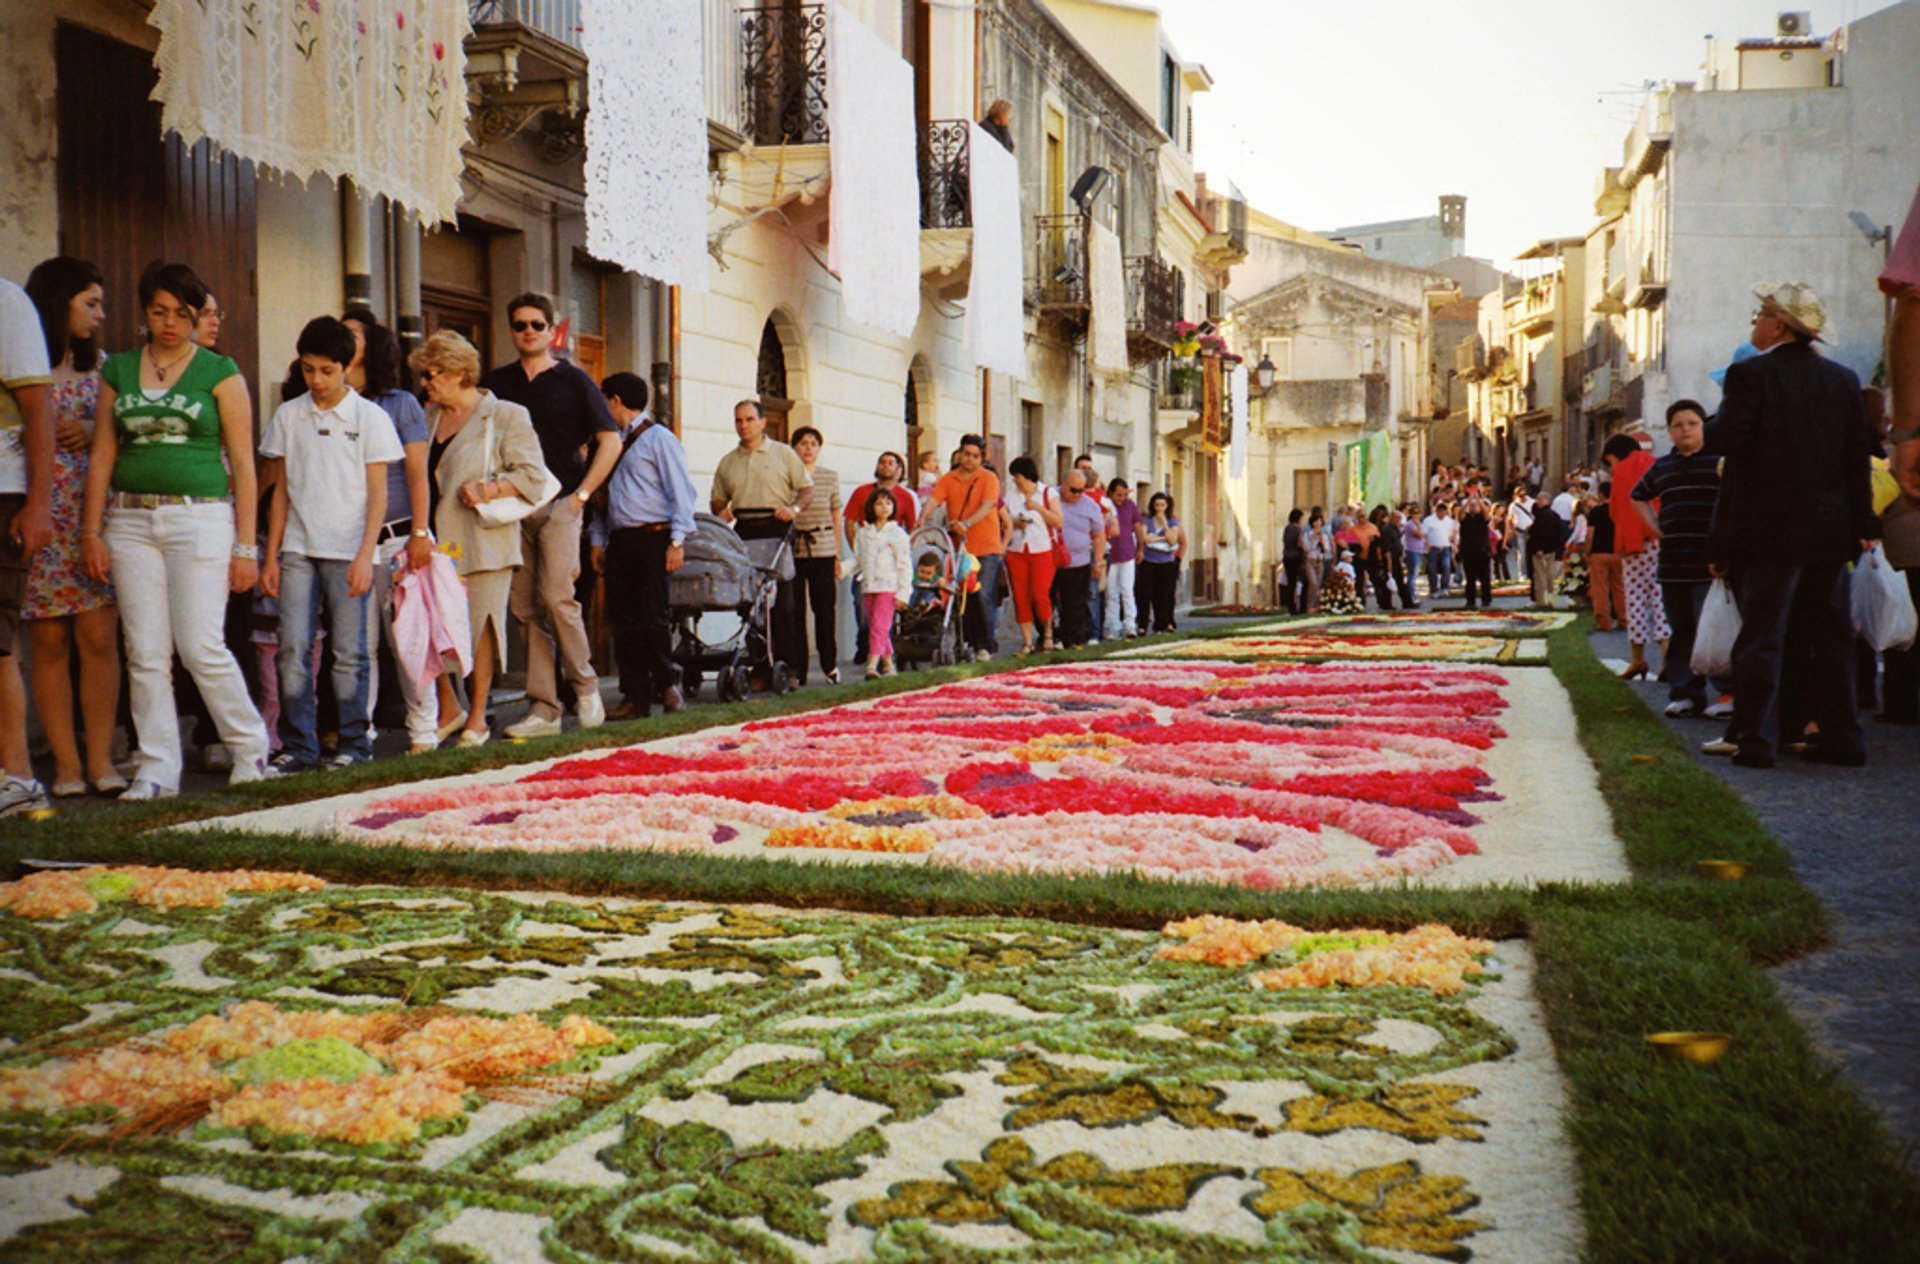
<point x="373" y="92"/>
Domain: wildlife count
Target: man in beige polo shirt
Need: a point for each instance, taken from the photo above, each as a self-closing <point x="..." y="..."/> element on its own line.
<point x="760" y="487"/>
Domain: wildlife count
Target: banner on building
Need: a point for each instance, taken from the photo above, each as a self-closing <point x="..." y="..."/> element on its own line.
<point x="646" y="167"/>
<point x="1370" y="470"/>
<point x="1237" y="395"/>
<point x="874" y="212"/>
<point x="371" y="92"/>
<point x="1213" y="430"/>
<point x="996" y="322"/>
<point x="1107" y="298"/>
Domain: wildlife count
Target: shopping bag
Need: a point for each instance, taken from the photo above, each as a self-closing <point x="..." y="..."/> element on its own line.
<point x="1719" y="628"/>
<point x="1883" y="611"/>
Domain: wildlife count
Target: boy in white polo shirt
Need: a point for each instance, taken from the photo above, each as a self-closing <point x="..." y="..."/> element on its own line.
<point x="322" y="529"/>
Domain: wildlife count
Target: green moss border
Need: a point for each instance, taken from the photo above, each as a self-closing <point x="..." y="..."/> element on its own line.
<point x="1768" y="1155"/>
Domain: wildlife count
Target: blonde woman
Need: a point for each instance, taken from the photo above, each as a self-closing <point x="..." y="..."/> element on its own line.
<point x="465" y="472"/>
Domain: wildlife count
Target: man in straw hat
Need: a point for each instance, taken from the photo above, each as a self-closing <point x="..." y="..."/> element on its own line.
<point x="1795" y="507"/>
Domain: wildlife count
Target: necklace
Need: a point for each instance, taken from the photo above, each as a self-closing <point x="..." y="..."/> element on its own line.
<point x="161" y="370"/>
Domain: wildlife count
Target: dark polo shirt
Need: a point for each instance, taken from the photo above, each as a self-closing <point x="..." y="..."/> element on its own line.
<point x="568" y="411"/>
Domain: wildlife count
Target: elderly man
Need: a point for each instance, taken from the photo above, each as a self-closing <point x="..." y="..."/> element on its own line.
<point x="761" y="487"/>
<point x="579" y="442"/>
<point x="650" y="504"/>
<point x="1084" y="529"/>
<point x="1795" y="507"/>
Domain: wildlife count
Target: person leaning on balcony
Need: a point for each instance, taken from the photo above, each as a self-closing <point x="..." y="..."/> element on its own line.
<point x="463" y="472"/>
<point x="999" y="122"/>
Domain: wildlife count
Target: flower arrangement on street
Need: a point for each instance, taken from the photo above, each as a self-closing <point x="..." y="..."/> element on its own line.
<point x="589" y="1076"/>
<point x="1238" y="769"/>
<point x="54" y="893"/>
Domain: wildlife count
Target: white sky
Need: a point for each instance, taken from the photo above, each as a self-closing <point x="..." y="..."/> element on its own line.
<point x="1360" y="110"/>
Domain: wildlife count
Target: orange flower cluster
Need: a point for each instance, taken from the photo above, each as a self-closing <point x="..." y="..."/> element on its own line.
<point x="1431" y="956"/>
<point x="1225" y="941"/>
<point x="62" y="892"/>
<point x="434" y="1064"/>
<point x="1051" y="748"/>
<point x="945" y="807"/>
<point x="842" y="837"/>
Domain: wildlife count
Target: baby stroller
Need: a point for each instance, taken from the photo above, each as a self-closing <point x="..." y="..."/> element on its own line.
<point x="928" y="631"/>
<point x="724" y="575"/>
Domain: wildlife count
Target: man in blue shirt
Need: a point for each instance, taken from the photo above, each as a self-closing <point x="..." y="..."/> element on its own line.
<point x="650" y="504"/>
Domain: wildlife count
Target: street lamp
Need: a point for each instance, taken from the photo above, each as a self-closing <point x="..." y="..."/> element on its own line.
<point x="1264" y="371"/>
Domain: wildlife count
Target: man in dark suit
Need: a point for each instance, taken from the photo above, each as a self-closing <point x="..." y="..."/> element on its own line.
<point x="1795" y="507"/>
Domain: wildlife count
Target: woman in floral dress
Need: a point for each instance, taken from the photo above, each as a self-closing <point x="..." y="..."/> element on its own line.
<point x="64" y="608"/>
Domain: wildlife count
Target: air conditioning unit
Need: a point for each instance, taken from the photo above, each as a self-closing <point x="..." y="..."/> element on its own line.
<point x="1793" y="25"/>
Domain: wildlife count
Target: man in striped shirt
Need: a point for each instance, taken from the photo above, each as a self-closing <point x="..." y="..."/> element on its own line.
<point x="1685" y="483"/>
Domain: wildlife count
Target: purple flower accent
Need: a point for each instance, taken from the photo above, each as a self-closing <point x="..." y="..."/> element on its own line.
<point x="724" y="833"/>
<point x="380" y="820"/>
<point x="1248" y="844"/>
<point x="506" y="817"/>
<point x="313" y="6"/>
<point x="1004" y="780"/>
<point x="360" y="26"/>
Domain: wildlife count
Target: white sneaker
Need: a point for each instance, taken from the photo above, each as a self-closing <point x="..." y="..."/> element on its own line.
<point x="1722" y="708"/>
<point x="217" y="758"/>
<point x="1719" y="746"/>
<point x="591" y="710"/>
<point x="1681" y="707"/>
<point x="246" y="771"/>
<point x="981" y="656"/>
<point x="140" y="791"/>
<point x="19" y="797"/>
<point x="534" y="726"/>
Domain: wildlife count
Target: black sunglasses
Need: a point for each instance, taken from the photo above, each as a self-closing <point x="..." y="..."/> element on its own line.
<point x="521" y="326"/>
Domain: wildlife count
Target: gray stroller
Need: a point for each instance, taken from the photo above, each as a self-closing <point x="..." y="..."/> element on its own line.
<point x="724" y="575"/>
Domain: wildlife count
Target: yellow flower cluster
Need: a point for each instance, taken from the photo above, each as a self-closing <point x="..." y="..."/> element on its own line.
<point x="1051" y="748"/>
<point x="179" y="1072"/>
<point x="843" y="837"/>
<point x="62" y="892"/>
<point x="1431" y="957"/>
<point x="945" y="807"/>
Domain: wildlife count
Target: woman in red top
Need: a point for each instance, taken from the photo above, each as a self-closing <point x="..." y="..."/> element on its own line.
<point x="1639" y="554"/>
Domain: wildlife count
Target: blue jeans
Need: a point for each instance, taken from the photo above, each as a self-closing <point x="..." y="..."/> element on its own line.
<point x="992" y="567"/>
<point x="1684" y="603"/>
<point x="306" y="585"/>
<point x="1094" y="609"/>
<point x="1439" y="572"/>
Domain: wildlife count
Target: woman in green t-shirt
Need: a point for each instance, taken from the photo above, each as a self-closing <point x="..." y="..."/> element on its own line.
<point x="181" y="531"/>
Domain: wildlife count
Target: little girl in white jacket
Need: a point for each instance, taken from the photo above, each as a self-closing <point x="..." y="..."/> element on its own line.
<point x="884" y="567"/>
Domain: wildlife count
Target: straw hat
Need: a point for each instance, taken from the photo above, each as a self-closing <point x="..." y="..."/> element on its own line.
<point x="1794" y="304"/>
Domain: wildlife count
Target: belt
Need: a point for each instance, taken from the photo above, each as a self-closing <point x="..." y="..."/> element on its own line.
<point x="645" y="526"/>
<point x="154" y="500"/>
<point x="397" y="529"/>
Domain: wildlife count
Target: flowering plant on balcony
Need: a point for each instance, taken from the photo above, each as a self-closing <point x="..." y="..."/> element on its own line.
<point x="1213" y="344"/>
<point x="1186" y="338"/>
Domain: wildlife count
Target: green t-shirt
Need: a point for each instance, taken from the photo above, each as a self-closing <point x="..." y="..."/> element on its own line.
<point x="170" y="442"/>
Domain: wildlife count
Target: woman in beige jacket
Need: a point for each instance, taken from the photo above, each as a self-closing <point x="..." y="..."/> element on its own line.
<point x="464" y="473"/>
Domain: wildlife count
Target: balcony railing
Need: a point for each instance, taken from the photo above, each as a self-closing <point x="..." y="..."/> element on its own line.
<point x="1151" y="308"/>
<point x="557" y="19"/>
<point x="945" y="192"/>
<point x="784" y="57"/>
<point x="726" y="72"/>
<point x="1061" y="259"/>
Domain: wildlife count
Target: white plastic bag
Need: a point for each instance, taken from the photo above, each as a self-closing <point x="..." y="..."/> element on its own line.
<point x="1883" y="611"/>
<point x="1719" y="628"/>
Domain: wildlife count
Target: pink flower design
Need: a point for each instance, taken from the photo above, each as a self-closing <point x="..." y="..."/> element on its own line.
<point x="439" y="51"/>
<point x="400" y="19"/>
<point x="313" y="6"/>
<point x="360" y="26"/>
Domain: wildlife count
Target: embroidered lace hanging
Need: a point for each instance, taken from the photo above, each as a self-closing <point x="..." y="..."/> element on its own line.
<point x="1107" y="295"/>
<point x="646" y="171"/>
<point x="996" y="324"/>
<point x="374" y="92"/>
<point x="874" y="215"/>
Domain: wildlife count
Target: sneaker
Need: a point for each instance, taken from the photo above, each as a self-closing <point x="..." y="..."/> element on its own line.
<point x="534" y="726"/>
<point x="981" y="656"/>
<point x="217" y="758"/>
<point x="286" y="764"/>
<point x="248" y="770"/>
<point x="591" y="709"/>
<point x="1719" y="746"/>
<point x="1681" y="707"/>
<point x="1721" y="708"/>
<point x="340" y="759"/>
<point x="19" y="797"/>
<point x="141" y="791"/>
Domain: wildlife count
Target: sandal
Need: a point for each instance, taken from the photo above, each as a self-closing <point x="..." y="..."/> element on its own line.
<point x="69" y="789"/>
<point x="112" y="783"/>
<point x="1024" y="650"/>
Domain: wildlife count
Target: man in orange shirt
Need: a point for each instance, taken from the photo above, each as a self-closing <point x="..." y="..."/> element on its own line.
<point x="971" y="494"/>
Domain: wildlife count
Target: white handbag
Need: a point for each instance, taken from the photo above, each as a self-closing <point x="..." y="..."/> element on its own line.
<point x="506" y="510"/>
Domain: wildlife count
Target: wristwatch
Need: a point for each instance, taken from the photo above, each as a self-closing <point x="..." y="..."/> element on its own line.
<point x="583" y="495"/>
<point x="675" y="544"/>
<point x="420" y="533"/>
<point x="246" y="552"/>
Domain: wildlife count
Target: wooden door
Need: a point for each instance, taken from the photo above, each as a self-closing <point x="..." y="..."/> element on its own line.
<point x="129" y="197"/>
<point x="464" y="314"/>
<point x="1309" y="489"/>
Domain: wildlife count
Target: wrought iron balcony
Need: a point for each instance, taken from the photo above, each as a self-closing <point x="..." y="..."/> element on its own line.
<point x="1060" y="258"/>
<point x="784" y="51"/>
<point x="945" y="193"/>
<point x="1151" y="307"/>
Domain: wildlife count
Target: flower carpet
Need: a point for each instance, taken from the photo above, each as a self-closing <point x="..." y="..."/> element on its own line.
<point x="1258" y="774"/>
<point x="333" y="1073"/>
<point x="1359" y="644"/>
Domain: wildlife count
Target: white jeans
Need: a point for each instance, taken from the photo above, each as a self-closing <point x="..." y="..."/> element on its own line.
<point x="1122" y="617"/>
<point x="170" y="575"/>
<point x="423" y="710"/>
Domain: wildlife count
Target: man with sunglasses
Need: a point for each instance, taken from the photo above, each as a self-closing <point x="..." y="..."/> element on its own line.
<point x="580" y="442"/>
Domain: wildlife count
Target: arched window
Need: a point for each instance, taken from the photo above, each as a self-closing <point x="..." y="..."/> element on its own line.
<point x="910" y="410"/>
<point x="770" y="382"/>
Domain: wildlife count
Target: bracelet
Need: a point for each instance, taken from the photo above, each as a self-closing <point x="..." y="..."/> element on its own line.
<point x="246" y="552"/>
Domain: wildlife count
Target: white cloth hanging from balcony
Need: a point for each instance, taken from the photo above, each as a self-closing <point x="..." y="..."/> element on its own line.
<point x="374" y="92"/>
<point x="874" y="211"/>
<point x="1237" y="444"/>
<point x="996" y="323"/>
<point x="646" y="171"/>
<point x="1107" y="296"/>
